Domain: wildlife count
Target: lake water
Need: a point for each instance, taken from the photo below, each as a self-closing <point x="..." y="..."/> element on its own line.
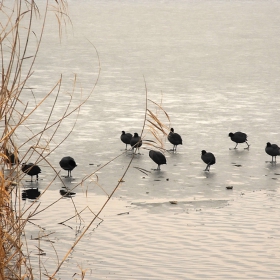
<point x="214" y="67"/>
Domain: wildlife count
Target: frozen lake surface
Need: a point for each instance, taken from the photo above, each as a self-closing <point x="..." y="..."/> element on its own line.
<point x="214" y="67"/>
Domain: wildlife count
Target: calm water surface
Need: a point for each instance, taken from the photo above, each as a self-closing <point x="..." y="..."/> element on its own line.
<point x="214" y="66"/>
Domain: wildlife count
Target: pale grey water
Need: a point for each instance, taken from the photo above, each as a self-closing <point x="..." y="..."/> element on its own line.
<point x="216" y="66"/>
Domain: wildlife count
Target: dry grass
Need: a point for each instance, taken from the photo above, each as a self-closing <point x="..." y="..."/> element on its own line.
<point x="155" y="122"/>
<point x="17" y="68"/>
<point x="17" y="30"/>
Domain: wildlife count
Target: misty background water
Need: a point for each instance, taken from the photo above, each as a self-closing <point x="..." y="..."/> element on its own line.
<point x="215" y="67"/>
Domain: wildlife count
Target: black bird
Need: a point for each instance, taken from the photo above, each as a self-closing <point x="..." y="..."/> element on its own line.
<point x="239" y="137"/>
<point x="272" y="150"/>
<point x="12" y="158"/>
<point x="208" y="158"/>
<point x="136" y="142"/>
<point x="174" y="138"/>
<point x="126" y="138"/>
<point x="157" y="157"/>
<point x="68" y="163"/>
<point x="31" y="169"/>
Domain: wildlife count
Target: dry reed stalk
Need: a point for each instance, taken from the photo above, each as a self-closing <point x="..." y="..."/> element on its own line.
<point x="16" y="29"/>
<point x="17" y="68"/>
<point x="155" y="125"/>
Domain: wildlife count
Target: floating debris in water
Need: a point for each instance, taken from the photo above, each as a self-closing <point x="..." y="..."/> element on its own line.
<point x="66" y="193"/>
<point x="124" y="213"/>
<point x="173" y="202"/>
<point x="41" y="254"/>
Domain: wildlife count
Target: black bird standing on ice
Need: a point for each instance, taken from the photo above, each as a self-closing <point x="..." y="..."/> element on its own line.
<point x="157" y="157"/>
<point x="68" y="163"/>
<point x="208" y="158"/>
<point x="126" y="138"/>
<point x="272" y="150"/>
<point x="12" y="157"/>
<point x="174" y="138"/>
<point x="239" y="137"/>
<point x="31" y="169"/>
<point x="136" y="142"/>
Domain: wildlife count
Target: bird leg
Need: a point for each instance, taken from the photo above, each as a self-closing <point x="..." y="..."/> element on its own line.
<point x="272" y="159"/>
<point x="69" y="173"/>
<point x="208" y="167"/>
<point x="248" y="146"/>
<point x="32" y="178"/>
<point x="173" y="149"/>
<point x="236" y="146"/>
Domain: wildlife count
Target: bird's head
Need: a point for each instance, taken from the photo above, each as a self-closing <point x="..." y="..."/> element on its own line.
<point x="203" y="152"/>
